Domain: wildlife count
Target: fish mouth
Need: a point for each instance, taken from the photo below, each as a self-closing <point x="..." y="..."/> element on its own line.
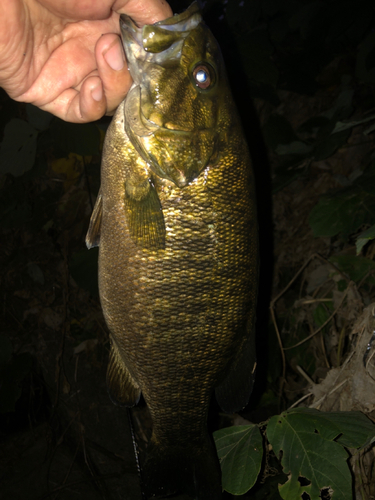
<point x="152" y="46"/>
<point x="161" y="142"/>
<point x="157" y="42"/>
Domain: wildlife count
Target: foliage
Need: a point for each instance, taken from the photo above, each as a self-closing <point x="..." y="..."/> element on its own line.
<point x="347" y="210"/>
<point x="286" y="46"/>
<point x="302" y="37"/>
<point x="240" y="468"/>
<point x="311" y="445"/>
<point x="48" y="171"/>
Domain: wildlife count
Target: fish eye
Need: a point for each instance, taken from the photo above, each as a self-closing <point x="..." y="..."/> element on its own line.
<point x="203" y="76"/>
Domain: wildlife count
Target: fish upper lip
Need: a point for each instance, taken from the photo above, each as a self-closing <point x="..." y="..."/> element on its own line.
<point x="127" y="23"/>
<point x="173" y="22"/>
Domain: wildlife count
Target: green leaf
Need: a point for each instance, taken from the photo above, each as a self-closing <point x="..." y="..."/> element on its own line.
<point x="340" y="126"/>
<point x="356" y="429"/>
<point x="364" y="238"/>
<point x="369" y="129"/>
<point x="356" y="267"/>
<point x="314" y="124"/>
<point x="18" y="148"/>
<point x="342" y="107"/>
<point x="305" y="438"/>
<point x="240" y="451"/>
<point x="326" y="147"/>
<point x="344" y="211"/>
<point x="351" y="429"/>
<point x="320" y="315"/>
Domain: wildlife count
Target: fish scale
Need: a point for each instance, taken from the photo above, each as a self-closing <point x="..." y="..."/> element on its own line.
<point x="176" y="226"/>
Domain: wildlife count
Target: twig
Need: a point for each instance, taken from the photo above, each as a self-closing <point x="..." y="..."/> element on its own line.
<point x="324" y="351"/>
<point x="59" y="441"/>
<point x="281" y="350"/>
<point x="365" y="277"/>
<point x="317" y="403"/>
<point x="300" y="400"/>
<point x="273" y="302"/>
<point x="324" y="324"/>
<point x="305" y="375"/>
<point x="69" y="471"/>
<point x="136" y="453"/>
<point x="313" y="301"/>
<point x="340" y="345"/>
<point x="88" y="187"/>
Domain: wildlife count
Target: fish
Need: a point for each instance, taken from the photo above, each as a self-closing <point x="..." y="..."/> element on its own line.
<point x="176" y="225"/>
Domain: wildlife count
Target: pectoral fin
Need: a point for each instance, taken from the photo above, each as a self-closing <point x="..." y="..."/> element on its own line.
<point x="234" y="392"/>
<point x="145" y="215"/>
<point x="120" y="384"/>
<point x="93" y="234"/>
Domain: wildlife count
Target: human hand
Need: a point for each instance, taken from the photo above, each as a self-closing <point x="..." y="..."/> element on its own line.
<point x="66" y="57"/>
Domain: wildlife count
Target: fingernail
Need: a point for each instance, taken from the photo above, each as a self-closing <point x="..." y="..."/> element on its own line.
<point x="97" y="93"/>
<point x="115" y="56"/>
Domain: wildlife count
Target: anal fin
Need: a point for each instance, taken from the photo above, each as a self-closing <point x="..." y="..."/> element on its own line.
<point x="93" y="233"/>
<point x="120" y="384"/>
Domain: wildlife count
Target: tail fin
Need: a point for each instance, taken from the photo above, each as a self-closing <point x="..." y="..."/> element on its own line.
<point x="193" y="469"/>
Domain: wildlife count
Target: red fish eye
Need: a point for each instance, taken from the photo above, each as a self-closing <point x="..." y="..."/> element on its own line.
<point x="202" y="76"/>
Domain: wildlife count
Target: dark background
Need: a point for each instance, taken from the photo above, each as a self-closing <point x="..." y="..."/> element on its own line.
<point x="296" y="68"/>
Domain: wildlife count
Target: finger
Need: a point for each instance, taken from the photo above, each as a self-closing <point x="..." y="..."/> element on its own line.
<point x="113" y="70"/>
<point x="79" y="106"/>
<point x="69" y="64"/>
<point x="143" y="12"/>
<point x="66" y="68"/>
<point x="79" y="9"/>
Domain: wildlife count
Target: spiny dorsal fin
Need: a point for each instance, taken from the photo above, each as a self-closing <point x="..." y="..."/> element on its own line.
<point x="144" y="215"/>
<point x="93" y="234"/>
<point x="120" y="384"/>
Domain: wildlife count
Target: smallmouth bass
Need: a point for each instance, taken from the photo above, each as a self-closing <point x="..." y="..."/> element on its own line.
<point x="175" y="222"/>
